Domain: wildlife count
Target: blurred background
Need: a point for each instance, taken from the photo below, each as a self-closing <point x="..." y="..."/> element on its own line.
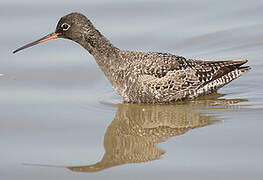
<point x="56" y="104"/>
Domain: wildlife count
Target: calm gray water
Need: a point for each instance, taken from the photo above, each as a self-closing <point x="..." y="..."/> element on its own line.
<point x="57" y="108"/>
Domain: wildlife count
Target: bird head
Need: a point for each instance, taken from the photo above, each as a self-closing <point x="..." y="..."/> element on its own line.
<point x="71" y="26"/>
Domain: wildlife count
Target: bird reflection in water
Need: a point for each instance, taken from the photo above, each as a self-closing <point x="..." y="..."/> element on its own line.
<point x="133" y="135"/>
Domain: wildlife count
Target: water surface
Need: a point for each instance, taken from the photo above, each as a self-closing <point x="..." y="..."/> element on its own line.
<point x="57" y="108"/>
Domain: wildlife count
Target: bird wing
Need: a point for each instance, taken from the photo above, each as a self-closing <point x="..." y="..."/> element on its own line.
<point x="170" y="76"/>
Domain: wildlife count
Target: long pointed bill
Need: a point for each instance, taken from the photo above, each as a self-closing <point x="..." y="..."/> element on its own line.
<point x="46" y="38"/>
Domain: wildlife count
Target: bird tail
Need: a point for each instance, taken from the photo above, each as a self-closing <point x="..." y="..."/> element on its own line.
<point x="233" y="69"/>
<point x="226" y="72"/>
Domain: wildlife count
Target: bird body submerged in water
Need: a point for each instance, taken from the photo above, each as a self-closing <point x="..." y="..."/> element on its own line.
<point x="146" y="77"/>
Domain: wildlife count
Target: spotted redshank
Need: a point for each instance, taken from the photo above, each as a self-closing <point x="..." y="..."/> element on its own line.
<point x="146" y="77"/>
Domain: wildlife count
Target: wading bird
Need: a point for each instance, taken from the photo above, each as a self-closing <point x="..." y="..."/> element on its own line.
<point x="146" y="77"/>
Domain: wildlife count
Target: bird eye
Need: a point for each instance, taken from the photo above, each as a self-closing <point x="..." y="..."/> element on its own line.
<point x="65" y="26"/>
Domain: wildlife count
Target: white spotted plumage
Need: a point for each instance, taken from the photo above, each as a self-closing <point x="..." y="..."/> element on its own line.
<point x="147" y="77"/>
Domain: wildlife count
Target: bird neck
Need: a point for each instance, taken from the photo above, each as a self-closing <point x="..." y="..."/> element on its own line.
<point x="105" y="53"/>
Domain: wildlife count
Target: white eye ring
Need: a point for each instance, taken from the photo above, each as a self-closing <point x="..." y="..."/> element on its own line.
<point x="65" y="26"/>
